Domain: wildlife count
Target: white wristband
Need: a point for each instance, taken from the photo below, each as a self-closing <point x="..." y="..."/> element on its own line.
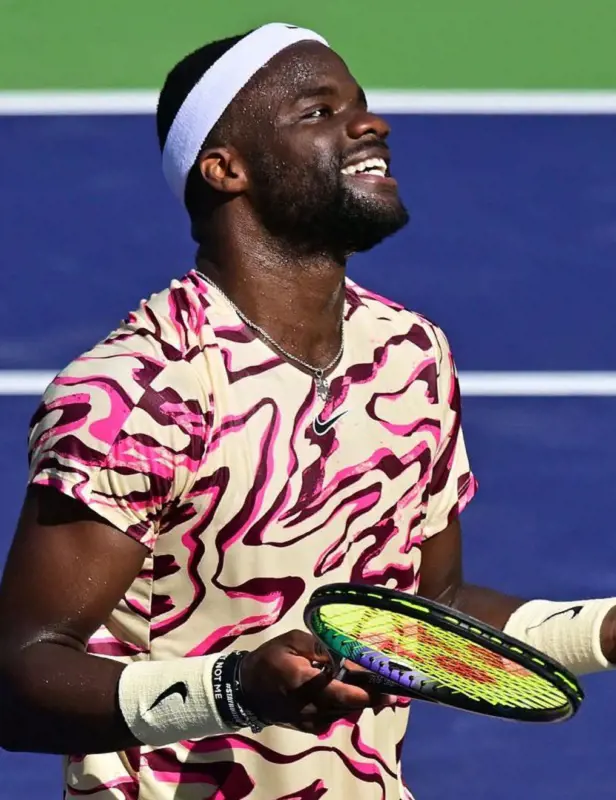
<point x="567" y="632"/>
<point x="164" y="702"/>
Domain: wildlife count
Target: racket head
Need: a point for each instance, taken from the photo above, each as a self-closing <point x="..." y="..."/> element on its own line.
<point x="435" y="653"/>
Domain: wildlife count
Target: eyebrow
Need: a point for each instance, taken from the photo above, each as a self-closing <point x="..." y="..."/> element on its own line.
<point x="328" y="91"/>
<point x="316" y="91"/>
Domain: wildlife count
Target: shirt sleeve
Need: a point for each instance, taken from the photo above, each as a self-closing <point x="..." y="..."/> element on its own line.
<point x="452" y="484"/>
<point x="122" y="434"/>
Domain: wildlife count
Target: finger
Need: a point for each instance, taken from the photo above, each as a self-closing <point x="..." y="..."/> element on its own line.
<point x="364" y="688"/>
<point x="312" y="685"/>
<point x="323" y="656"/>
<point x="316" y="693"/>
<point x="293" y="699"/>
<point x="370" y="681"/>
<point x="337" y="695"/>
<point x="378" y="694"/>
<point x="351" y="666"/>
<point x="309" y="647"/>
<point x="385" y="701"/>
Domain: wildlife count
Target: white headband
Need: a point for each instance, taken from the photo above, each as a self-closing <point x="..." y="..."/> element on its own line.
<point x="207" y="101"/>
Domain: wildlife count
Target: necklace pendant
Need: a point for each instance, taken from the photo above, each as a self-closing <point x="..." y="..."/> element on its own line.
<point x="322" y="387"/>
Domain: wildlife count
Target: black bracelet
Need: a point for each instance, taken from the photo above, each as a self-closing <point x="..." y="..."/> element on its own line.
<point x="225" y="691"/>
<point x="256" y="724"/>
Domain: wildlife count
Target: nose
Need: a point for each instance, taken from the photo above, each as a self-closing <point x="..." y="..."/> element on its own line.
<point x="364" y="123"/>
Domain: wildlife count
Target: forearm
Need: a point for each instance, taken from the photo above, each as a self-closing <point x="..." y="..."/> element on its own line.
<point x="578" y="633"/>
<point x="488" y="605"/>
<point x="56" y="699"/>
<point x="442" y="580"/>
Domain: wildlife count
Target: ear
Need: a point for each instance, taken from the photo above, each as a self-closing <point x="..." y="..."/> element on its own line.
<point x="223" y="170"/>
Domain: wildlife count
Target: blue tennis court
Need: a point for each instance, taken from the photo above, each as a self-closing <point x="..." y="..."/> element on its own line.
<point x="512" y="250"/>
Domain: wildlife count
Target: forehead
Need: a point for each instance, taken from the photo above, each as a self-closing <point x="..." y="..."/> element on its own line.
<point x="302" y="68"/>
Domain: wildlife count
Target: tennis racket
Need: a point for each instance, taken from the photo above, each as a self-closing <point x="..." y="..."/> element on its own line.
<point x="417" y="648"/>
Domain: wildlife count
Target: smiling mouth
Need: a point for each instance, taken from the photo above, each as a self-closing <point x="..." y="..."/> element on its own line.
<point x="374" y="170"/>
<point x="371" y="166"/>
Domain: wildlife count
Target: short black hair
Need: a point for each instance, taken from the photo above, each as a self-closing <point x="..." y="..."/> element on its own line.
<point x="198" y="198"/>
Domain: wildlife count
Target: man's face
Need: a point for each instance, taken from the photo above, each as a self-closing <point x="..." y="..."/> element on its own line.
<point x="317" y="160"/>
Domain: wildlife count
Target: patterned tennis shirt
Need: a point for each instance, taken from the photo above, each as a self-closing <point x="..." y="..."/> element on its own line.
<point x="188" y="433"/>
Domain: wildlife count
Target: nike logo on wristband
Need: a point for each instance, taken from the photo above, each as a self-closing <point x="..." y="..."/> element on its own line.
<point x="574" y="611"/>
<point x="321" y="428"/>
<point x="177" y="688"/>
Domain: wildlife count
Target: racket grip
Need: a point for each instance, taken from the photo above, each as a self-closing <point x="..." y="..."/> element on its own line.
<point x="370" y="679"/>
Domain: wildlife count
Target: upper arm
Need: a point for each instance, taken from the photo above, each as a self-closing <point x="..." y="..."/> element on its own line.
<point x="451" y="487"/>
<point x="112" y="446"/>
<point x="441" y="564"/>
<point x="66" y="571"/>
<point x="452" y="484"/>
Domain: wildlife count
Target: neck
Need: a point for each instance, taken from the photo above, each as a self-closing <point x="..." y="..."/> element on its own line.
<point x="297" y="298"/>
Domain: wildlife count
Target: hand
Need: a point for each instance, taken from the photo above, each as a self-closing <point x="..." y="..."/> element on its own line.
<point x="282" y="684"/>
<point x="608" y="636"/>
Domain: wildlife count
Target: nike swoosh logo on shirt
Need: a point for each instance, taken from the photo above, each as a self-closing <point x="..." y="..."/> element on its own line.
<point x="177" y="688"/>
<point x="321" y="428"/>
<point x="574" y="611"/>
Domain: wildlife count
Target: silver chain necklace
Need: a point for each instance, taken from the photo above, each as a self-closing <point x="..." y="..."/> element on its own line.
<point x="318" y="373"/>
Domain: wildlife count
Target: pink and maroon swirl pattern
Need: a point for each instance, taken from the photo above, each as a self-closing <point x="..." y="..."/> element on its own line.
<point x="189" y="434"/>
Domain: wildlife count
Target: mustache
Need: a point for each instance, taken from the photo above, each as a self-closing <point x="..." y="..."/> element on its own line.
<point x="378" y="147"/>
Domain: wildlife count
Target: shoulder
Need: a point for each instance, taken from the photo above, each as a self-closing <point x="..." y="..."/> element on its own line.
<point x="144" y="366"/>
<point x="163" y="330"/>
<point x="170" y="322"/>
<point x="394" y="319"/>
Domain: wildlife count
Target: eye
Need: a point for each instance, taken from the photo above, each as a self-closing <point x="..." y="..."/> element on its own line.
<point x="322" y="112"/>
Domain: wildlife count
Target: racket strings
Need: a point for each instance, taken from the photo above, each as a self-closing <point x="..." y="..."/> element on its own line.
<point x="444" y="656"/>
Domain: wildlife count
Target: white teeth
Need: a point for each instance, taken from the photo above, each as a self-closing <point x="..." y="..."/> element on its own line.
<point x="371" y="166"/>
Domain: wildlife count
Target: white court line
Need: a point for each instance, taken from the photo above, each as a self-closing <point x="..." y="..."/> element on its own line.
<point x="477" y="384"/>
<point x="538" y="384"/>
<point x="383" y="101"/>
<point x="24" y="382"/>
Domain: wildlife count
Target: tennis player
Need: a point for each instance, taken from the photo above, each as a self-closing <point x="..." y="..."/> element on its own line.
<point x="260" y="428"/>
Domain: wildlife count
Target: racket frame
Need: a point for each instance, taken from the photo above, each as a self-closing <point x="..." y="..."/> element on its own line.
<point x="454" y="621"/>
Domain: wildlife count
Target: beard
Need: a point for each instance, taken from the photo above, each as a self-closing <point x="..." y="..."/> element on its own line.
<point x="316" y="209"/>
